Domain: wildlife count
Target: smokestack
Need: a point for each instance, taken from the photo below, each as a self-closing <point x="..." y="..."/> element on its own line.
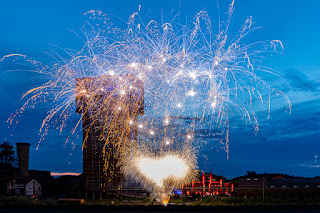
<point x="23" y="158"/>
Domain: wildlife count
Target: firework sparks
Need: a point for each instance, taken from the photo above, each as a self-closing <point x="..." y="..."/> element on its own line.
<point x="189" y="77"/>
<point x="160" y="171"/>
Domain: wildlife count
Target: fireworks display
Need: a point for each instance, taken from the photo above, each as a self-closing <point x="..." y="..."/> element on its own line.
<point x="160" y="171"/>
<point x="189" y="78"/>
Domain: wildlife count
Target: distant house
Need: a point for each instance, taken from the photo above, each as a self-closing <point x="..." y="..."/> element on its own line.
<point x="33" y="188"/>
<point x="255" y="182"/>
<point x="294" y="182"/>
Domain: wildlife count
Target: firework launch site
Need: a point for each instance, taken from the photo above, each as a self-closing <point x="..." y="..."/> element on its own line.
<point x="24" y="188"/>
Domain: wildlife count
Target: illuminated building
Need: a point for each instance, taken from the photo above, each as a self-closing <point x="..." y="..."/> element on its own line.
<point x="102" y="175"/>
<point x="207" y="185"/>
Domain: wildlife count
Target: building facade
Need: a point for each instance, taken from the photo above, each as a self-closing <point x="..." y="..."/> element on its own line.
<point x="106" y="114"/>
<point x="33" y="188"/>
<point x="208" y="185"/>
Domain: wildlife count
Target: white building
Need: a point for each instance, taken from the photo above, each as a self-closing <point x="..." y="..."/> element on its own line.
<point x="33" y="188"/>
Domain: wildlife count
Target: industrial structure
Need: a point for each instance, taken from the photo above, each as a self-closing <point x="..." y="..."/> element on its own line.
<point x="23" y="158"/>
<point x="18" y="183"/>
<point x="106" y="128"/>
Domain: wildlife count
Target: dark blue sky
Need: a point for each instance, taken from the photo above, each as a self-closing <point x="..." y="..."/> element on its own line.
<point x="285" y="143"/>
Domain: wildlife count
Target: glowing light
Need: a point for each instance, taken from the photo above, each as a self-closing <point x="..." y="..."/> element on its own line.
<point x="191" y="93"/>
<point x="166" y="121"/>
<point x="189" y="136"/>
<point x="64" y="174"/>
<point x="179" y="105"/>
<point x="133" y="64"/>
<point x="158" y="170"/>
<point x="130" y="122"/>
<point x="152" y="132"/>
<point x="111" y="72"/>
<point x="193" y="75"/>
<point x="167" y="142"/>
<point x="140" y="126"/>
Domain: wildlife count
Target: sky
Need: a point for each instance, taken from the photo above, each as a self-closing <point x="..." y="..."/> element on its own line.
<point x="285" y="143"/>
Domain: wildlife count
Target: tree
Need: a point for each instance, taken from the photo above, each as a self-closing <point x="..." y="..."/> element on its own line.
<point x="7" y="155"/>
<point x="251" y="174"/>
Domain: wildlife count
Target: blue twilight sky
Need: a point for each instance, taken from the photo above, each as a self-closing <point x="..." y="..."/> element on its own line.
<point x="285" y="142"/>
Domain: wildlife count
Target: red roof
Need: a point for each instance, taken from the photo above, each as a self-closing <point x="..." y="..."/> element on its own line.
<point x="278" y="177"/>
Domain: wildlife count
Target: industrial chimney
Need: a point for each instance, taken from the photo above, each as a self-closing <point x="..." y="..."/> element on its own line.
<point x="23" y="158"/>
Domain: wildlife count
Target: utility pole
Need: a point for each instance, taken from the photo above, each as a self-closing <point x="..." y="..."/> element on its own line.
<point x="263" y="188"/>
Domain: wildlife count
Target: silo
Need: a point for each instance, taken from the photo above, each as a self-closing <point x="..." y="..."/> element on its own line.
<point x="100" y="168"/>
<point x="23" y="158"/>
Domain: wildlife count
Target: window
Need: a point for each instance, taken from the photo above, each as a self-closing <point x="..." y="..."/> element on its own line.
<point x="93" y="182"/>
<point x="95" y="167"/>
